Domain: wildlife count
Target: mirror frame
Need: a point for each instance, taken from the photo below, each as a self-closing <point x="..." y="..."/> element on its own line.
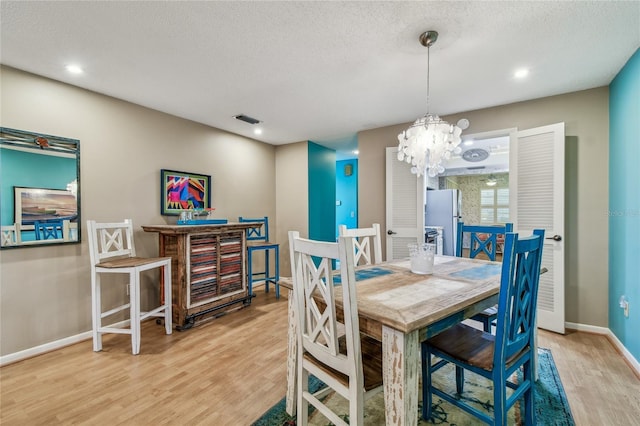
<point x="25" y="141"/>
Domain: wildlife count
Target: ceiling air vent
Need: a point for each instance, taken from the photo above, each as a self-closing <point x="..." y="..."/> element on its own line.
<point x="247" y="119"/>
<point x="476" y="154"/>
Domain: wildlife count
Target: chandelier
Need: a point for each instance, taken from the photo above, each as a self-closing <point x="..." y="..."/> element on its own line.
<point x="430" y="140"/>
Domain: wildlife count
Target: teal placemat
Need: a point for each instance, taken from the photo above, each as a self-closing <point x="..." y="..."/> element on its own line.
<point x="365" y="274"/>
<point x="478" y="272"/>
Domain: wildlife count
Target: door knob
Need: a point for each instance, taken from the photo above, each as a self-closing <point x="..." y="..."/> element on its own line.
<point x="390" y="232"/>
<point x="554" y="238"/>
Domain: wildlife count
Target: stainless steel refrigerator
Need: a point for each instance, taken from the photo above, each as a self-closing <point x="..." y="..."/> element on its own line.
<point x="444" y="208"/>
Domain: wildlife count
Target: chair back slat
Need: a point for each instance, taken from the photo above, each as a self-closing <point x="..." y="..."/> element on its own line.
<point x="318" y="322"/>
<point x="518" y="295"/>
<point x="110" y="240"/>
<point x="259" y="232"/>
<point x="482" y="238"/>
<point x="365" y="240"/>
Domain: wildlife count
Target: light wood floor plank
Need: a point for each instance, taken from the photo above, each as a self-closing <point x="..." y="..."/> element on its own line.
<point x="232" y="369"/>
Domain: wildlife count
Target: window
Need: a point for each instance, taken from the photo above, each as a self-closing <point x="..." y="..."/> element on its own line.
<point x="494" y="205"/>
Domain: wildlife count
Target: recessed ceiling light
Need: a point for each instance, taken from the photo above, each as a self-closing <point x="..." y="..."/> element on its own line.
<point x="521" y="73"/>
<point x="74" y="69"/>
<point x="468" y="142"/>
<point x="257" y="131"/>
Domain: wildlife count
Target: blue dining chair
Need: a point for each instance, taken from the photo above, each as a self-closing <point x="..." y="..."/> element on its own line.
<point x="494" y="357"/>
<point x="258" y="240"/>
<point x="484" y="239"/>
<point x="48" y="230"/>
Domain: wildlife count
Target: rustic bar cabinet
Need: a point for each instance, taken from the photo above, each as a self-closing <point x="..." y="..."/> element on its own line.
<point x="208" y="269"/>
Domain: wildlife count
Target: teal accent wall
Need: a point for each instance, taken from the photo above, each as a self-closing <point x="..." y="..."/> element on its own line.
<point x="322" y="193"/>
<point x="346" y="194"/>
<point x="624" y="203"/>
<point x="31" y="170"/>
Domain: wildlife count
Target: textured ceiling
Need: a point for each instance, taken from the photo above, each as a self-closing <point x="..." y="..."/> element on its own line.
<point x="320" y="71"/>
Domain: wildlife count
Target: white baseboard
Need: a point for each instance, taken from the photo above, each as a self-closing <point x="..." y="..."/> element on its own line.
<point x="588" y="328"/>
<point x="633" y="363"/>
<point x="47" y="347"/>
<point x="52" y="346"/>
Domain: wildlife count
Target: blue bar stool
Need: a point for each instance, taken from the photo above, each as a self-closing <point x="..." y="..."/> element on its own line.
<point x="258" y="240"/>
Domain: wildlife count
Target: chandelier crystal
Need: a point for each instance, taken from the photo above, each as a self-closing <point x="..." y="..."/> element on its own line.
<point x="430" y="140"/>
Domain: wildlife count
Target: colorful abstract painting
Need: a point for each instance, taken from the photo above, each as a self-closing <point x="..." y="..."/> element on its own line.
<point x="183" y="191"/>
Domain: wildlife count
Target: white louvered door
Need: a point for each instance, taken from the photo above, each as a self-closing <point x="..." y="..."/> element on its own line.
<point x="405" y="206"/>
<point x="536" y="185"/>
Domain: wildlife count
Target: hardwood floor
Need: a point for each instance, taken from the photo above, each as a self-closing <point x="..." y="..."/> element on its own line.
<point x="601" y="388"/>
<point x="231" y="370"/>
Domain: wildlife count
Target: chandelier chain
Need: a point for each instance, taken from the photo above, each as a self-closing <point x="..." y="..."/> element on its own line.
<point x="428" y="71"/>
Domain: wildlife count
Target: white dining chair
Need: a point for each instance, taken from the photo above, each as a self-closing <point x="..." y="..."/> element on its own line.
<point x="348" y="363"/>
<point x="10" y="235"/>
<point x="112" y="251"/>
<point x="364" y="241"/>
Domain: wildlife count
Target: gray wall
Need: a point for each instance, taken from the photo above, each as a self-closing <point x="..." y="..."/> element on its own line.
<point x="45" y="292"/>
<point x="586" y="118"/>
<point x="292" y="197"/>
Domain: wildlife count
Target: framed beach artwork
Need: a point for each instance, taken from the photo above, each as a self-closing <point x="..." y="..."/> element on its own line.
<point x="43" y="204"/>
<point x="183" y="191"/>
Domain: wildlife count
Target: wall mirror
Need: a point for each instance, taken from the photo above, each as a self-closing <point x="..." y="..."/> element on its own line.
<point x="39" y="189"/>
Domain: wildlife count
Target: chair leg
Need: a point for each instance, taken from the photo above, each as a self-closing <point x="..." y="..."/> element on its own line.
<point x="250" y="274"/>
<point x="486" y="324"/>
<point x="168" y="302"/>
<point x="499" y="399"/>
<point x="96" y="311"/>
<point x="426" y="384"/>
<point x="303" y="404"/>
<point x="529" y="397"/>
<point x="459" y="379"/>
<point x="266" y="270"/>
<point x="292" y="357"/>
<point x="356" y="407"/>
<point x="134" y="300"/>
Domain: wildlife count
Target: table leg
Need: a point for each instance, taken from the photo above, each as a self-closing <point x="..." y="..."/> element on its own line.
<point x="400" y="369"/>
<point x="292" y="354"/>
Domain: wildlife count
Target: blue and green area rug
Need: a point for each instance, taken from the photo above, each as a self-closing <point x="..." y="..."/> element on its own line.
<point x="551" y="403"/>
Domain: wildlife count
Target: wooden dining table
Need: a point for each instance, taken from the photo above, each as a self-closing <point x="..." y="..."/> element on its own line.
<point x="402" y="309"/>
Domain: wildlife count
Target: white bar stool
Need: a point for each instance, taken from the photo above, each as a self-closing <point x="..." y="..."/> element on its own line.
<point x="112" y="251"/>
